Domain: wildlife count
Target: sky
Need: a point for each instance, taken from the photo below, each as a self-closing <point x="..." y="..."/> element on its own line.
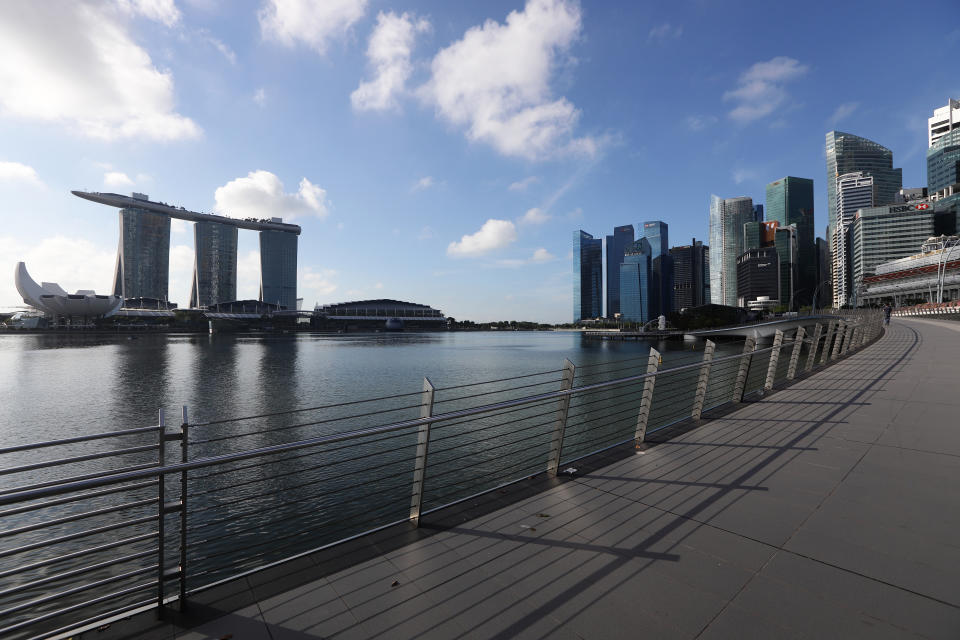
<point x="432" y="151"/>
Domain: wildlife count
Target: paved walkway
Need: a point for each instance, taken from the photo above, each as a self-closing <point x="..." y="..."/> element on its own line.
<point x="830" y="509"/>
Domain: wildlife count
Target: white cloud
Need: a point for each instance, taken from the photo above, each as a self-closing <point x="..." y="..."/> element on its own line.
<point x="494" y="234"/>
<point x="116" y="180"/>
<point x="310" y="22"/>
<point x="314" y="285"/>
<point x="75" y="64"/>
<point x="699" y="123"/>
<point x="542" y="255"/>
<point x="379" y="285"/>
<point x="388" y="55"/>
<point x="741" y="175"/>
<point x="181" y="273"/>
<point x="70" y="262"/>
<point x="423" y="183"/>
<point x="18" y="173"/>
<point x="179" y="226"/>
<point x="534" y="216"/>
<point x="248" y="275"/>
<point x="843" y="111"/>
<point x="760" y="88"/>
<point x="494" y="82"/>
<point x="260" y="97"/>
<point x="219" y="45"/>
<point x="521" y="185"/>
<point x="163" y="11"/>
<point x="665" y="31"/>
<point x="426" y="233"/>
<point x="260" y="195"/>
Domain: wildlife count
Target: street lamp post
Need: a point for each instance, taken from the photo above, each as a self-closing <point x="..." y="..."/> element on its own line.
<point x="942" y="266"/>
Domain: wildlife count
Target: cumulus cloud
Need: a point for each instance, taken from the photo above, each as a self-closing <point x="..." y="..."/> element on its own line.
<point x="494" y="82"/>
<point x="534" y="216"/>
<point x="493" y="235"/>
<point x="521" y="185"/>
<point x="843" y="111"/>
<point x="116" y="180"/>
<point x="75" y="64"/>
<point x="260" y="97"/>
<point x="760" y="89"/>
<point x="260" y="195"/>
<point x="542" y="255"/>
<point x="665" y="31"/>
<point x="539" y="256"/>
<point x="311" y="22"/>
<point x="162" y="11"/>
<point x="313" y="285"/>
<point x="423" y="183"/>
<point x="18" y="173"/>
<point x="388" y="54"/>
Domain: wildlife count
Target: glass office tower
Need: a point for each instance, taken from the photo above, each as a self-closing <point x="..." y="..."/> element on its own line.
<point x="278" y="268"/>
<point x="143" y="257"/>
<point x="635" y="279"/>
<point x="214" y="264"/>
<point x="661" y="268"/>
<point x="616" y="245"/>
<point x="691" y="275"/>
<point x="790" y="201"/>
<point x="727" y="217"/>
<point x="943" y="162"/>
<point x="587" y="276"/>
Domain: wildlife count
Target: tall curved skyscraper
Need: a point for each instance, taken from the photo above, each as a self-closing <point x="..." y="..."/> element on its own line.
<point x="727" y="217"/>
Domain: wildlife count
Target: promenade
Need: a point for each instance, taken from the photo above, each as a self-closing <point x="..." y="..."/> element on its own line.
<point x="828" y="509"/>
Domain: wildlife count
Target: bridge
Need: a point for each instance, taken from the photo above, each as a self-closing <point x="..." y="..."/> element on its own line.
<point x="752" y="330"/>
<point x="823" y="506"/>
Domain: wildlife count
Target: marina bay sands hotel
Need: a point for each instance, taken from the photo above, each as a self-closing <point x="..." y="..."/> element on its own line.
<point x="143" y="258"/>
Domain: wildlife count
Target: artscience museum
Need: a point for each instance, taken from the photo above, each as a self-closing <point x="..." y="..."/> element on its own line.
<point x="58" y="305"/>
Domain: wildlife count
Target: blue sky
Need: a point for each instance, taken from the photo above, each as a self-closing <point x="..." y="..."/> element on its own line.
<point x="438" y="152"/>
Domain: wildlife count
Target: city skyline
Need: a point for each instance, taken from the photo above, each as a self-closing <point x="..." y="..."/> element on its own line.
<point x="460" y="186"/>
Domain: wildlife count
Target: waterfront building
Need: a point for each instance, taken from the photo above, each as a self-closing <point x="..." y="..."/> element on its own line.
<point x="854" y="191"/>
<point x="661" y="268"/>
<point x="823" y="290"/>
<point x="787" y="255"/>
<point x="616" y="245"/>
<point x="727" y="217"/>
<point x="943" y="161"/>
<point x="56" y="304"/>
<point x="847" y="153"/>
<point x="143" y="254"/>
<point x="278" y="268"/>
<point x="691" y="275"/>
<point x="390" y="314"/>
<point x="790" y="202"/>
<point x="944" y="120"/>
<point x="214" y="264"/>
<point x="587" y="276"/>
<point x="885" y="233"/>
<point x="758" y="276"/>
<point x="917" y="278"/>
<point x="635" y="277"/>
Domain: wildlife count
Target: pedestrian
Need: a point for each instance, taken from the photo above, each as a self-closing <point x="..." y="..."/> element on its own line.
<point x="886" y="313"/>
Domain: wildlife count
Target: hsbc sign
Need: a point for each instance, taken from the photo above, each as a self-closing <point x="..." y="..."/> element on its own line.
<point x="923" y="206"/>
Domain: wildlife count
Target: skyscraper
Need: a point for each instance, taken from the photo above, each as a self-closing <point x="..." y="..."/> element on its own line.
<point x="790" y="202"/>
<point x="727" y="217"/>
<point x="661" y="268"/>
<point x="143" y="257"/>
<point x="944" y="120"/>
<point x="635" y="280"/>
<point x="943" y="161"/>
<point x="823" y="291"/>
<point x="616" y="245"/>
<point x="214" y="264"/>
<point x="854" y="191"/>
<point x="691" y="275"/>
<point x="787" y="254"/>
<point x="587" y="276"/>
<point x="278" y="268"/>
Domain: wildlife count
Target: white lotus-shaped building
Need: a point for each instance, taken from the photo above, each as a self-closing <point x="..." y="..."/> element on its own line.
<point x="50" y="298"/>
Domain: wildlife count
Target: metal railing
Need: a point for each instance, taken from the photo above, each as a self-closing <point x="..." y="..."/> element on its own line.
<point x="141" y="518"/>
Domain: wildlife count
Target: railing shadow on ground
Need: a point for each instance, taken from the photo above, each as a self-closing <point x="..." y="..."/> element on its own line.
<point x="602" y="450"/>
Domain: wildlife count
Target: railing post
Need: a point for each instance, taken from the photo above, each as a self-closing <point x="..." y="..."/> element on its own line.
<point x="748" y="348"/>
<point x="556" y="445"/>
<point x="646" y="399"/>
<point x="774" y="360"/>
<point x="184" y="445"/>
<point x="838" y="339"/>
<point x="795" y="354"/>
<point x="847" y="339"/>
<point x="828" y="341"/>
<point x="161" y="502"/>
<point x="423" y="440"/>
<point x="703" y="380"/>
<point x="814" y="346"/>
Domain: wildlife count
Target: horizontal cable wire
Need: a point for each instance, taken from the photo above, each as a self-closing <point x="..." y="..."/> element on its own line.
<point x="474" y="384"/>
<point x="92" y="494"/>
<point x="77" y="516"/>
<point x="78" y="554"/>
<point x="76" y="572"/>
<point x="76" y="439"/>
<point x="490" y="393"/>
<point x="73" y="536"/>
<point x="89" y="456"/>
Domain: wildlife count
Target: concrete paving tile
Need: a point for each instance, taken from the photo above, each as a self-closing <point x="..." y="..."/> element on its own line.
<point x="245" y="623"/>
<point x="314" y="609"/>
<point x="735" y="623"/>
